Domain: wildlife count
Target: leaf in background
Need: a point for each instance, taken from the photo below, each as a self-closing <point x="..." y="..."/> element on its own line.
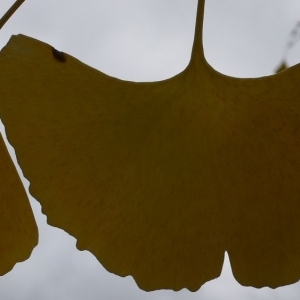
<point x="158" y="179"/>
<point x="283" y="66"/>
<point x="18" y="230"/>
<point x="294" y="38"/>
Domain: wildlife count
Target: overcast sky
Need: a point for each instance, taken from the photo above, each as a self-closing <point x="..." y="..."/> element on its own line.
<point x="143" y="40"/>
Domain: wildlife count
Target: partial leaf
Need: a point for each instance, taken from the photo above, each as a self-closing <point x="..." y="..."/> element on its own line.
<point x="158" y="179"/>
<point x="18" y="230"/>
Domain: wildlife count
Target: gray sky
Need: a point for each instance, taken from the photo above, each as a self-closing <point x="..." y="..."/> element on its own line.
<point x="143" y="40"/>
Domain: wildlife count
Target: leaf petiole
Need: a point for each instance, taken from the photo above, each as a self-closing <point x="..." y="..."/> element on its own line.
<point x="10" y="12"/>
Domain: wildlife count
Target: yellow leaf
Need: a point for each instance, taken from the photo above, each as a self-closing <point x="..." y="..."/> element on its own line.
<point x="158" y="179"/>
<point x="18" y="230"/>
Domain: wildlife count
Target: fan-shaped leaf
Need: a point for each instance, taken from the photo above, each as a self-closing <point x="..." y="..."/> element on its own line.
<point x="159" y="179"/>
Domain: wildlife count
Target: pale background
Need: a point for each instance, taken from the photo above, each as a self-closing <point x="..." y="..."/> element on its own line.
<point x="143" y="40"/>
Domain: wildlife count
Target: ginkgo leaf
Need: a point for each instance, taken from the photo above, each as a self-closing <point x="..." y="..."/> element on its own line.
<point x="158" y="179"/>
<point x="18" y="230"/>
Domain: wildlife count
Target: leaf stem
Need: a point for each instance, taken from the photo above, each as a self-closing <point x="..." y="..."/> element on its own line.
<point x="10" y="12"/>
<point x="197" y="56"/>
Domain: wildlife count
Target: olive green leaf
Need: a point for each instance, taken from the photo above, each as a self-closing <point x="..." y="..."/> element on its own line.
<point x="18" y="230"/>
<point x="158" y="179"/>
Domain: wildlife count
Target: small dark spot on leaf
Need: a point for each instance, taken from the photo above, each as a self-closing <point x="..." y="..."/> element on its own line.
<point x="60" y="56"/>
